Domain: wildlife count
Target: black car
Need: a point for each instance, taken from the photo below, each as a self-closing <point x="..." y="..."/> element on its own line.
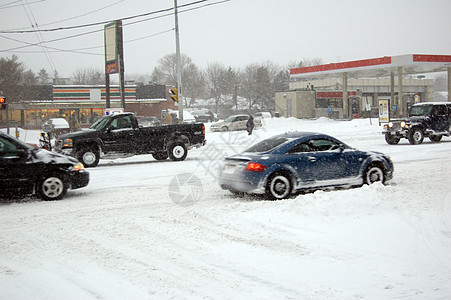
<point x="25" y="170"/>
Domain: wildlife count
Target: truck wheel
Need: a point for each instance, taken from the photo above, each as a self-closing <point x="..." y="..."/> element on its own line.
<point x="391" y="139"/>
<point x="52" y="187"/>
<point x="160" y="155"/>
<point x="89" y="156"/>
<point x="374" y="174"/>
<point x="415" y="136"/>
<point x="177" y="151"/>
<point x="435" y="138"/>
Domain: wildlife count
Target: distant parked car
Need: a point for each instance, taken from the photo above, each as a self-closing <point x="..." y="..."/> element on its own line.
<point x="236" y="122"/>
<point x="203" y="115"/>
<point x="56" y="126"/>
<point x="263" y="115"/>
<point x="149" y="121"/>
<point x="25" y="170"/>
<point x="188" y="118"/>
<point x="286" y="163"/>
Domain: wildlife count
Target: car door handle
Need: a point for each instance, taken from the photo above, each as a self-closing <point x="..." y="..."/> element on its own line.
<point x="312" y="159"/>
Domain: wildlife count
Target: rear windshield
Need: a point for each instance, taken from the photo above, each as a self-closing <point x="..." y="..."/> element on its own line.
<point x="267" y="145"/>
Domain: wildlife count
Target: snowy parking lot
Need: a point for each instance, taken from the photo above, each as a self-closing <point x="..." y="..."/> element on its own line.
<point x="141" y="230"/>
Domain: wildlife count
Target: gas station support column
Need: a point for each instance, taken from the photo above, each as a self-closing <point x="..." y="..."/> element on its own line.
<point x="449" y="83"/>
<point x="345" y="96"/>
<point x="392" y="90"/>
<point x="400" y="100"/>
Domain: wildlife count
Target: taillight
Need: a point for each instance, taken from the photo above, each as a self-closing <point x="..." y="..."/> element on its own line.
<point x="203" y="129"/>
<point x="255" y="167"/>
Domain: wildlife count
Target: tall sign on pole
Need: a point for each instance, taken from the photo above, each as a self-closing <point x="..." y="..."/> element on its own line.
<point x="179" y="64"/>
<point x="114" y="58"/>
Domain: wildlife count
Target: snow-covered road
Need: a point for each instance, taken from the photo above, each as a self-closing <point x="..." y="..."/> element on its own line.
<point x="132" y="233"/>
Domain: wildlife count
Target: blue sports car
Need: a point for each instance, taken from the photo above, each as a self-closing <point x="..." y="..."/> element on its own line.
<point x="296" y="161"/>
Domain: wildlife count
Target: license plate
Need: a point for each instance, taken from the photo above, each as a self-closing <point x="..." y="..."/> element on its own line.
<point x="229" y="169"/>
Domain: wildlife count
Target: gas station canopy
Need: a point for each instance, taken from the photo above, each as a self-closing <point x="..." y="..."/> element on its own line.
<point x="377" y="67"/>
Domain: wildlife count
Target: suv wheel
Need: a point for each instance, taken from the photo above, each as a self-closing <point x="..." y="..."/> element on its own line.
<point x="391" y="139"/>
<point x="435" y="138"/>
<point x="415" y="136"/>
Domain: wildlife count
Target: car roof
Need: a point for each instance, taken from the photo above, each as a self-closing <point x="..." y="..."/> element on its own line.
<point x="298" y="134"/>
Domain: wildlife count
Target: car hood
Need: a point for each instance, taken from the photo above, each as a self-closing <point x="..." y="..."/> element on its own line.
<point x="48" y="157"/>
<point x="218" y="124"/>
<point x="84" y="133"/>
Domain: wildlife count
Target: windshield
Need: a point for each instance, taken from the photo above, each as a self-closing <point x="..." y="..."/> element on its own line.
<point x="266" y="145"/>
<point x="100" y="123"/>
<point x="420" y="110"/>
<point x="229" y="119"/>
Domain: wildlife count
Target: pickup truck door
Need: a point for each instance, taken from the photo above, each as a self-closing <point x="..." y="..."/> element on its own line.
<point x="120" y="136"/>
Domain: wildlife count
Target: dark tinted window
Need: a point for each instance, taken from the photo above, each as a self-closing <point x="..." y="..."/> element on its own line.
<point x="420" y="110"/>
<point x="300" y="148"/>
<point x="266" y="145"/>
<point x="323" y="145"/>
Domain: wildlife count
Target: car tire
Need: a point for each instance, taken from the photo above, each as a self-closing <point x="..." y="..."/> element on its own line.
<point x="415" y="136"/>
<point x="435" y="138"/>
<point x="391" y="139"/>
<point x="52" y="187"/>
<point x="224" y="129"/>
<point x="177" y="151"/>
<point x="89" y="156"/>
<point x="279" y="186"/>
<point x="374" y="173"/>
<point x="160" y="155"/>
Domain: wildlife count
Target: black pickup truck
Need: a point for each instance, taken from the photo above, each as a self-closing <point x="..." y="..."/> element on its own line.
<point x="428" y="119"/>
<point x="119" y="135"/>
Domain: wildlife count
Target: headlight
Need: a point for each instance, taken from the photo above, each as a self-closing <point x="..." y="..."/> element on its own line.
<point x="78" y="167"/>
<point x="390" y="124"/>
<point x="67" y="143"/>
<point x="403" y="124"/>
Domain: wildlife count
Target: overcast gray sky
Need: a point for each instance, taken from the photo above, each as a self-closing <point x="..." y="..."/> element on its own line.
<point x="234" y="33"/>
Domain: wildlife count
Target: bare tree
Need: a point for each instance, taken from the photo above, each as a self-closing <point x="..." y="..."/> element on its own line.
<point x="16" y="83"/>
<point x="213" y="77"/>
<point x="88" y="76"/>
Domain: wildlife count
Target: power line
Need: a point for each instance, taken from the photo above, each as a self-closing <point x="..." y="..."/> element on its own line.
<point x="75" y="17"/>
<point x="99" y="30"/>
<point x="9" y="5"/>
<point x="106" y="22"/>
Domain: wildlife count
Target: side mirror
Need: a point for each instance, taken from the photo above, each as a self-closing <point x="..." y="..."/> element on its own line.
<point x="109" y="129"/>
<point x="22" y="153"/>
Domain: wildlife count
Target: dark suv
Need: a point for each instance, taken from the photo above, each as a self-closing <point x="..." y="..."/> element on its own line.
<point x="429" y="119"/>
<point x="25" y="170"/>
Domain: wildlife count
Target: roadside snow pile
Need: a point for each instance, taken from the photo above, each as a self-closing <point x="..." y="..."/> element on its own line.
<point x="124" y="237"/>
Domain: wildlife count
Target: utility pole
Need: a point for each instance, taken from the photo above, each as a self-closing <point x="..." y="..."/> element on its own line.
<point x="179" y="64"/>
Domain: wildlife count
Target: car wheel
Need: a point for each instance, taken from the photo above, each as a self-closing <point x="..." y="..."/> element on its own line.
<point x="374" y="174"/>
<point x="415" y="136"/>
<point x="435" y="138"/>
<point x="89" y="157"/>
<point x="279" y="186"/>
<point x="177" y="151"/>
<point x="391" y="139"/>
<point x="160" y="155"/>
<point x="52" y="187"/>
<point x="224" y="129"/>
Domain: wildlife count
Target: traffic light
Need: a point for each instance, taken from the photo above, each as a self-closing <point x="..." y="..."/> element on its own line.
<point x="174" y="93"/>
<point x="3" y="102"/>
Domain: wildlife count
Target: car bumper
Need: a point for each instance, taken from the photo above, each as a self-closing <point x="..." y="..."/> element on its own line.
<point x="246" y="182"/>
<point x="79" y="179"/>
